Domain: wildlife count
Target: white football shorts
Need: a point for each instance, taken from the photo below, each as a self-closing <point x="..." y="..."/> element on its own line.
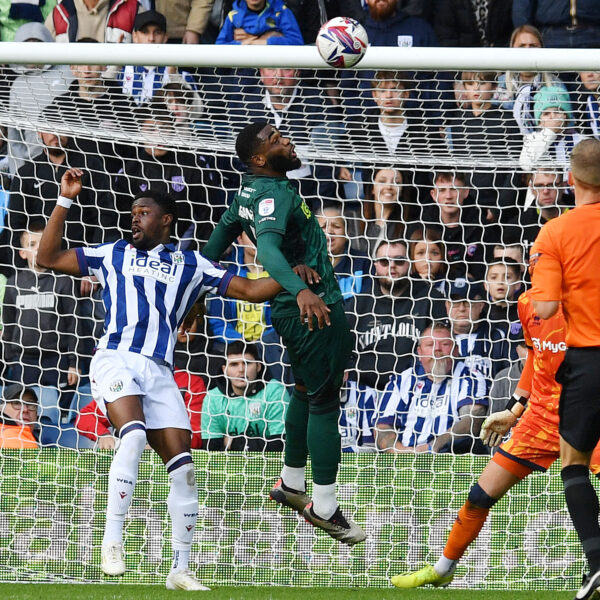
<point x="115" y="373"/>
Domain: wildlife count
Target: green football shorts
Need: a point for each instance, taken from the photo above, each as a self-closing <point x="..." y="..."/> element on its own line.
<point x="319" y="357"/>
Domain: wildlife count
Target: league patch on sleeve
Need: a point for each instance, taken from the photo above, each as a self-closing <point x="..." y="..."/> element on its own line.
<point x="266" y="207"/>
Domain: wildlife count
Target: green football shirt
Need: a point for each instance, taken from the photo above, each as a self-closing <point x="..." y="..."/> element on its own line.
<point x="272" y="205"/>
<point x="261" y="415"/>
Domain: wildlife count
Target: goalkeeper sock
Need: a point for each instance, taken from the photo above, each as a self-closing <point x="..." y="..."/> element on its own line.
<point x="584" y="509"/>
<point x="296" y="425"/>
<point x="466" y="528"/>
<point x="122" y="478"/>
<point x="183" y="507"/>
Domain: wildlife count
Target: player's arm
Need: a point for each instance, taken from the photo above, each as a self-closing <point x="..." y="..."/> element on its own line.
<point x="50" y="255"/>
<point x="269" y="254"/>
<point x="546" y="278"/>
<point x="223" y="235"/>
<point x="498" y="424"/>
<point x="263" y="289"/>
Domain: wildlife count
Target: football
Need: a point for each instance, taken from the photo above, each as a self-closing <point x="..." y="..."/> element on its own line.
<point x="342" y="42"/>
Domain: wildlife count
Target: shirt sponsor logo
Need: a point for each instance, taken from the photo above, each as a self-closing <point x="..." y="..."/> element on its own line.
<point x="148" y="266"/>
<point x="304" y="208"/>
<point x="266" y="207"/>
<point x="267" y="219"/>
<point x="245" y="213"/>
<point x="553" y="347"/>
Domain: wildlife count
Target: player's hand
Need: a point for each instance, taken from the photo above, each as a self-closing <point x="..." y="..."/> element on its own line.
<point x="496" y="426"/>
<point x="307" y="274"/>
<point x="70" y="184"/>
<point x="312" y="306"/>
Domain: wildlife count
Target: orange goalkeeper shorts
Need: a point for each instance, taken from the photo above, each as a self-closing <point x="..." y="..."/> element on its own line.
<point x="533" y="446"/>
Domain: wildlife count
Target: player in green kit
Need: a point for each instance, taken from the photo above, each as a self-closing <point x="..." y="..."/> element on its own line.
<point x="309" y="318"/>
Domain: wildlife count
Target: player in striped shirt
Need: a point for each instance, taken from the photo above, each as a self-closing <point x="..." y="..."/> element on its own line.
<point x="533" y="445"/>
<point x="148" y="289"/>
<point x="434" y="404"/>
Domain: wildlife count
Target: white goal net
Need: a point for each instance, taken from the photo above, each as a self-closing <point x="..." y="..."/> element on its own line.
<point x="430" y="184"/>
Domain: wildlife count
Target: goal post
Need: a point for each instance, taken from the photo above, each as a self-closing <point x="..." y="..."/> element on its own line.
<point x="369" y="138"/>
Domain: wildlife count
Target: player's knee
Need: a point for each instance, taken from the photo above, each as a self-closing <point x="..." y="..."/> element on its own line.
<point x="133" y="437"/>
<point x="479" y="497"/>
<point x="181" y="474"/>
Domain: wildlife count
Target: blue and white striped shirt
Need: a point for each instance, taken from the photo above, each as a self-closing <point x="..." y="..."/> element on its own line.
<point x="359" y="405"/>
<point x="420" y="409"/>
<point x="147" y="294"/>
<point x="141" y="83"/>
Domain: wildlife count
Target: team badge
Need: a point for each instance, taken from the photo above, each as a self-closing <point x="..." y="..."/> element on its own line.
<point x="178" y="258"/>
<point x="143" y="187"/>
<point x="254" y="409"/>
<point x="178" y="183"/>
<point x="266" y="207"/>
<point x="116" y="386"/>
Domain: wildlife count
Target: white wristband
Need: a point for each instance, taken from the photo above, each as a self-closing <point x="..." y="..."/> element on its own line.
<point x="64" y="202"/>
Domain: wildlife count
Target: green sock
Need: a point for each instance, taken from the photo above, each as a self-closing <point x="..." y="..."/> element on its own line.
<point x="324" y="444"/>
<point x="296" y="424"/>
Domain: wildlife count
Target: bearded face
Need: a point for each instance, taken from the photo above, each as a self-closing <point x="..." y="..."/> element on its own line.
<point x="381" y="10"/>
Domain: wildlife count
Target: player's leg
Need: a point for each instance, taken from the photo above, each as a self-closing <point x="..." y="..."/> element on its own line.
<point x="127" y="417"/>
<point x="290" y="490"/>
<point x="579" y="427"/>
<point x="173" y="446"/>
<point x="169" y="434"/>
<point x="494" y="482"/>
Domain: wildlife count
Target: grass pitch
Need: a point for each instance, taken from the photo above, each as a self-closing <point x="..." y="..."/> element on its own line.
<point x="26" y="591"/>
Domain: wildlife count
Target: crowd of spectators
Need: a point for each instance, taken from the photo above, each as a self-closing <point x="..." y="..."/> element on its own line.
<point x="430" y="259"/>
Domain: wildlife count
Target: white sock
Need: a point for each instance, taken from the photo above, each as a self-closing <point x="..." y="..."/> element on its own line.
<point x="121" y="479"/>
<point x="294" y="478"/>
<point x="324" y="501"/>
<point x="183" y="508"/>
<point x="445" y="566"/>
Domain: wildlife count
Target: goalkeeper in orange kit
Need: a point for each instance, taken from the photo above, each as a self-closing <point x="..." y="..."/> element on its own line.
<point x="533" y="445"/>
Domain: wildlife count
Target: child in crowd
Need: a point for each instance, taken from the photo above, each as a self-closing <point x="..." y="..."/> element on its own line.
<point x="478" y="127"/>
<point x="260" y="22"/>
<point x="503" y="285"/>
<point x="427" y="255"/>
<point x="555" y="137"/>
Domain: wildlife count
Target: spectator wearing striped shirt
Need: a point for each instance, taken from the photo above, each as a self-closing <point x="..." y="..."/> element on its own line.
<point x="438" y="405"/>
<point x="359" y="404"/>
<point x="142" y="83"/>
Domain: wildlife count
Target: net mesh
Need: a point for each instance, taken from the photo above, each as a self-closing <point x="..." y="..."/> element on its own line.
<point x="461" y="168"/>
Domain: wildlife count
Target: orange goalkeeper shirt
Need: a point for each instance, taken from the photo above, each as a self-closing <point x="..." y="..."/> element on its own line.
<point x="547" y="339"/>
<point x="567" y="255"/>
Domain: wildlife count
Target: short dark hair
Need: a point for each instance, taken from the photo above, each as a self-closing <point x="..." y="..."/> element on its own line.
<point x="508" y="262"/>
<point x="166" y="202"/>
<point x="240" y="347"/>
<point x="247" y="140"/>
<point x="450" y="175"/>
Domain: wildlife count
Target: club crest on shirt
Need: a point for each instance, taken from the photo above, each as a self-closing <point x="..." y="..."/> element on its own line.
<point x="266" y="207"/>
<point x="254" y="408"/>
<point x="178" y="258"/>
<point x="116" y="386"/>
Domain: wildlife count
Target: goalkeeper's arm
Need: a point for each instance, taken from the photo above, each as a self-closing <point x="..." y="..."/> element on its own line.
<point x="50" y="255"/>
<point x="497" y="425"/>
